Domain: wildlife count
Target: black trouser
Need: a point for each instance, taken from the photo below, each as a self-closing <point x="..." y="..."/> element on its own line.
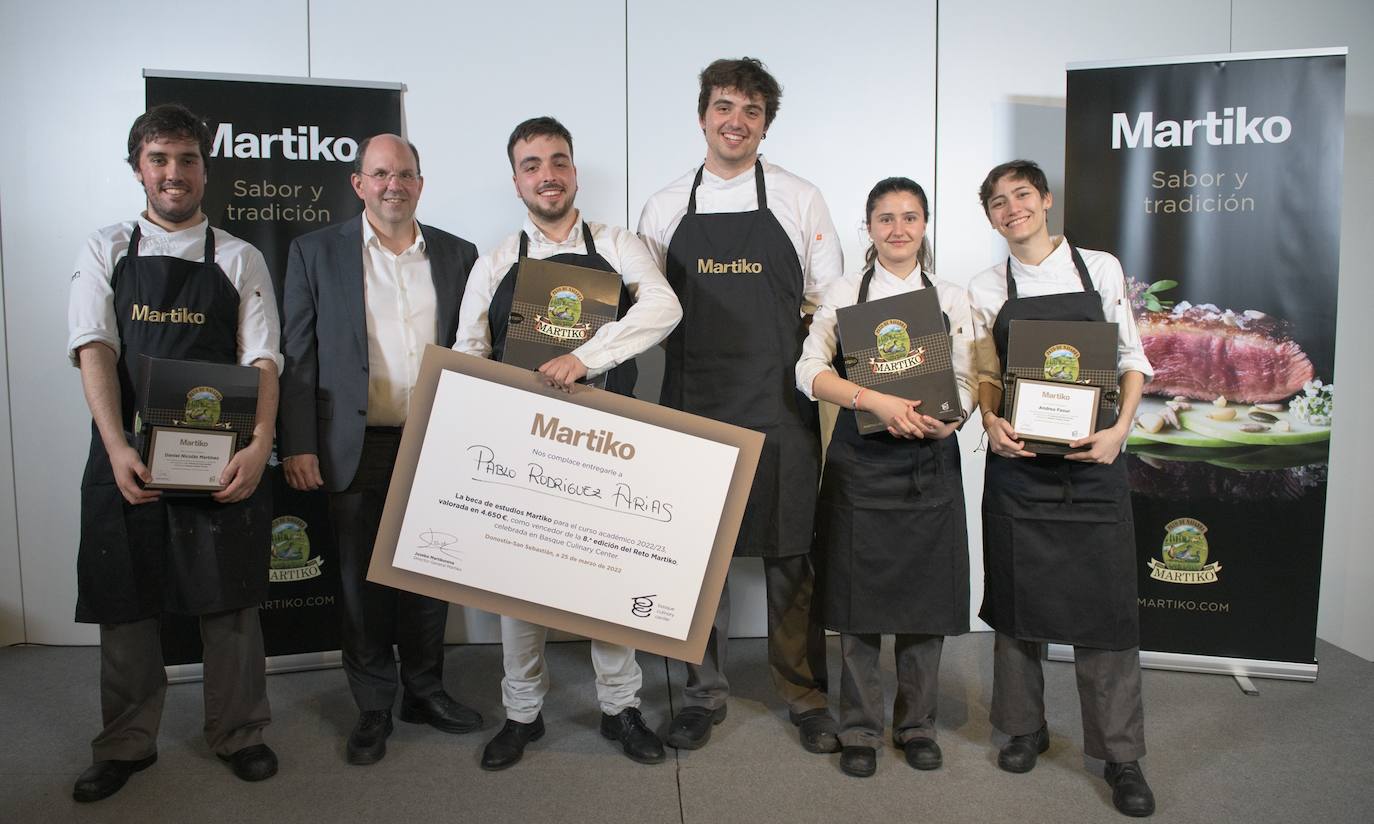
<point x="861" y="688"/>
<point x="796" y="642"/>
<point x="376" y="616"/>
<point x="133" y="683"/>
<point x="1108" y="695"/>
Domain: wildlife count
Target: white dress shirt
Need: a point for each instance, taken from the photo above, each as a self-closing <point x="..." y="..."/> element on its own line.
<point x="400" y="306"/>
<point x="822" y="341"/>
<point x="90" y="307"/>
<point x="796" y="203"/>
<point x="654" y="314"/>
<point x="1054" y="275"/>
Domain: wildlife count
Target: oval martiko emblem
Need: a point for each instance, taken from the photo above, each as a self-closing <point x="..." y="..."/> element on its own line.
<point x="1061" y="363"/>
<point x="564" y="314"/>
<point x="894" y="349"/>
<point x="291" y="559"/>
<point x="203" y="406"/>
<point x="1184" y="554"/>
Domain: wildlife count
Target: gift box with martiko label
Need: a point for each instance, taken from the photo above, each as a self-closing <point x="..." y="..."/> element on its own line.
<point x="900" y="346"/>
<point x="557" y="307"/>
<point x="190" y="417"/>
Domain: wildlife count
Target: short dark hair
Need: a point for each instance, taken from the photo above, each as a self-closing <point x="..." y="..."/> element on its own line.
<point x="543" y="126"/>
<point x="362" y="152"/>
<point x="887" y="186"/>
<point x="1027" y="170"/>
<point x="167" y="120"/>
<point x="747" y="76"/>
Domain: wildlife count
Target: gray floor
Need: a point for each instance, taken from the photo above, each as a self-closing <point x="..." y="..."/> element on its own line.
<point x="1296" y="753"/>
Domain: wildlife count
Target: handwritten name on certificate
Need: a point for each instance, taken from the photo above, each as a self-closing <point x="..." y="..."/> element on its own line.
<point x="562" y="505"/>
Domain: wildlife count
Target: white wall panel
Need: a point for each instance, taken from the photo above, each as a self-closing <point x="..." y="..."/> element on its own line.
<point x="71" y="81"/>
<point x="1346" y="614"/>
<point x="11" y="584"/>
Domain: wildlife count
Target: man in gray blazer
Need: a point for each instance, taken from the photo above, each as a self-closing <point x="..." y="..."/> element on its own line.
<point x="362" y="298"/>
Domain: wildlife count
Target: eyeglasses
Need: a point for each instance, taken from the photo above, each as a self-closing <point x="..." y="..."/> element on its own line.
<point x="383" y="177"/>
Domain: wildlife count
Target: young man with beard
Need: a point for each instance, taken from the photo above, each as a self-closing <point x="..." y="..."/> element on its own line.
<point x="362" y="299"/>
<point x="744" y="244"/>
<point x="540" y="151"/>
<point x="1058" y="539"/>
<point x="143" y="554"/>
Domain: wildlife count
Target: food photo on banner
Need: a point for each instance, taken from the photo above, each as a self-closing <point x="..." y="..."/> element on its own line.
<point x="279" y="167"/>
<point x="1217" y="182"/>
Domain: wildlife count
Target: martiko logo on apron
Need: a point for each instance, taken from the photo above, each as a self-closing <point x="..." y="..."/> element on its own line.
<point x="741" y="266"/>
<point x="1185" y="555"/>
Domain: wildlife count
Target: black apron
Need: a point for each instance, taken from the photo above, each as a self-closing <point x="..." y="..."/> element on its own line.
<point x="182" y="554"/>
<point x="733" y="358"/>
<point x="1058" y="539"/>
<point x="620" y="379"/>
<point x="891" y="550"/>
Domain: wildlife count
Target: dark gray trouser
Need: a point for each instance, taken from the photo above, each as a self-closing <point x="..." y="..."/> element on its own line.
<point x="1108" y="693"/>
<point x="133" y="684"/>
<point x="375" y="616"/>
<point x="796" y="642"/>
<point x="861" y="688"/>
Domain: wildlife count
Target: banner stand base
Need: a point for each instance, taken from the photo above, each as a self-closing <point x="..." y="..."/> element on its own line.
<point x="185" y="673"/>
<point x="1242" y="669"/>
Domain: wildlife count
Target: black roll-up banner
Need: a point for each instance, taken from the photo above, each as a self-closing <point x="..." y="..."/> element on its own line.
<point x="1217" y="183"/>
<point x="279" y="167"/>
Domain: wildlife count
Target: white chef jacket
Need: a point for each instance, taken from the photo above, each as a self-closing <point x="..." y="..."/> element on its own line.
<point x="1054" y="275"/>
<point x="822" y="341"/>
<point x="401" y="310"/>
<point x="796" y="203"/>
<point x="654" y="314"/>
<point x="90" y="307"/>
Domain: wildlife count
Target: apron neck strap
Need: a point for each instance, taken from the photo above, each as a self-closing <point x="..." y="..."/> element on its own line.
<point x="925" y="281"/>
<point x="759" y="188"/>
<point x="864" y="282"/>
<point x="1078" y="265"/>
<point x="586" y="238"/>
<point x="137" y="237"/>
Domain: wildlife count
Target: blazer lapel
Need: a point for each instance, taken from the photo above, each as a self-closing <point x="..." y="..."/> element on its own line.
<point x="349" y="249"/>
<point x="441" y="271"/>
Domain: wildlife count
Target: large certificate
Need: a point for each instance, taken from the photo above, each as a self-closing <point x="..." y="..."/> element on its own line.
<point x="590" y="512"/>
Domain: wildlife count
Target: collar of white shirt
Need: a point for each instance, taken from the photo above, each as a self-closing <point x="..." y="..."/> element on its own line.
<point x="573" y="239"/>
<point x="371" y="239"/>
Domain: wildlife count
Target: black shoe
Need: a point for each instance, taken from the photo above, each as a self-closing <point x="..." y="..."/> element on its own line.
<point x="104" y="778"/>
<point x="691" y="728"/>
<point x="1019" y="754"/>
<point x="923" y="754"/>
<point x="441" y="712"/>
<point x="639" y="742"/>
<point x="860" y="762"/>
<point x="255" y="763"/>
<point x="818" y="733"/>
<point x="1130" y="794"/>
<point x="507" y="747"/>
<point x="367" y="743"/>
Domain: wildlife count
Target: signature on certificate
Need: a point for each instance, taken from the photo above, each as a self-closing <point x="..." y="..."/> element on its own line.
<point x="434" y="539"/>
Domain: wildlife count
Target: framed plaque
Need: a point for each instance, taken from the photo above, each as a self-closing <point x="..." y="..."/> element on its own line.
<point x="188" y="459"/>
<point x="1053" y="412"/>
<point x="590" y="512"/>
<point x="899" y="345"/>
